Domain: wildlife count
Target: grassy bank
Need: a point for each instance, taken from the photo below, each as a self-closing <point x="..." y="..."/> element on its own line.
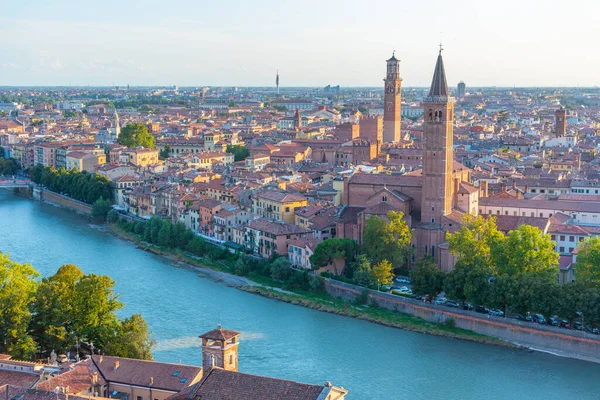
<point x="267" y="287"/>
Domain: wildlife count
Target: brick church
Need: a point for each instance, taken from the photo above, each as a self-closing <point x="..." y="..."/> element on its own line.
<point x="433" y="199"/>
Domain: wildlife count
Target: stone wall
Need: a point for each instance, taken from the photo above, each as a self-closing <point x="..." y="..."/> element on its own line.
<point x="60" y="200"/>
<point x="567" y="343"/>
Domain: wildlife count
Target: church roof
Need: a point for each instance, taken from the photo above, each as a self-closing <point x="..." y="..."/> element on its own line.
<point x="439" y="85"/>
<point x="393" y="58"/>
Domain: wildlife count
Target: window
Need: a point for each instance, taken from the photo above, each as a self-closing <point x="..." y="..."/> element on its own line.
<point x="562" y="249"/>
<point x="533" y="214"/>
<point x="553" y="237"/>
<point x="231" y="359"/>
<point x="571" y="238"/>
<point x="498" y="212"/>
<point x="562" y="238"/>
<point x="505" y="212"/>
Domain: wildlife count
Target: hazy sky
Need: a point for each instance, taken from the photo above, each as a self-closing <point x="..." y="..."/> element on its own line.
<point x="312" y="43"/>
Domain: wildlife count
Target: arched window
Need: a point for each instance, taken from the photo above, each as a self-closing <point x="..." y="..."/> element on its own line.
<point x="440" y="115"/>
<point x="384" y="198"/>
<point x="430" y="115"/>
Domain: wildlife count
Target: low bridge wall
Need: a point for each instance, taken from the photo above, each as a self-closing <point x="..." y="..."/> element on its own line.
<point x="48" y="196"/>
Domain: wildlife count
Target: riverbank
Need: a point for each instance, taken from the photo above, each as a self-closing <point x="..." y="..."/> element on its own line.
<point x="317" y="301"/>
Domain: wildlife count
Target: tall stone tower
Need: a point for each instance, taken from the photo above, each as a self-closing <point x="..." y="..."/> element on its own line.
<point x="297" y="119"/>
<point x="436" y="200"/>
<point x="391" y="101"/>
<point x="220" y="349"/>
<point x="560" y="117"/>
<point x="461" y="89"/>
<point x="117" y="125"/>
<point x="277" y="81"/>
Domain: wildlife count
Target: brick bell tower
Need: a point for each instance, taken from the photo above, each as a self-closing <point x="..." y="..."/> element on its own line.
<point x="438" y="160"/>
<point x="391" y="101"/>
<point x="220" y="349"/>
<point x="560" y="116"/>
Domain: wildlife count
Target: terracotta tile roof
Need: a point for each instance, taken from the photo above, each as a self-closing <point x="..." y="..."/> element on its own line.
<point x="276" y="227"/>
<point x="12" y="392"/>
<point x="220" y="334"/>
<point x="78" y="379"/>
<point x="220" y="384"/>
<point x="18" y="378"/>
<point x="171" y="377"/>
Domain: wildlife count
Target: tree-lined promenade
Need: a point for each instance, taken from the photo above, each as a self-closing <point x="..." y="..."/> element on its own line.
<point x="64" y="310"/>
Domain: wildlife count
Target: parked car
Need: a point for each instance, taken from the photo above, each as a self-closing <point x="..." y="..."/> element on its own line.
<point x="482" y="310"/>
<point x="404" y="289"/>
<point x="467" y="306"/>
<point x="578" y="325"/>
<point x="402" y="280"/>
<point x="386" y="288"/>
<point x="440" y="300"/>
<point x="451" y="303"/>
<point x="497" y="313"/>
<point x="554" y="321"/>
<point x="539" y="318"/>
<point x="565" y="324"/>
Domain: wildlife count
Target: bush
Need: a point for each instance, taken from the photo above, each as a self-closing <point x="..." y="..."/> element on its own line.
<point x="112" y="216"/>
<point x="449" y="322"/>
<point x="363" y="298"/>
<point x="100" y="210"/>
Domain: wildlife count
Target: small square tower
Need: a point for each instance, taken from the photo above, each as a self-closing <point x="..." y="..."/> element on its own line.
<point x="220" y="349"/>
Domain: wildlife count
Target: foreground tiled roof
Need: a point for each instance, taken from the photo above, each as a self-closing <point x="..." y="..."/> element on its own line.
<point x="18" y="378"/>
<point x="21" y="393"/>
<point x="78" y="379"/>
<point x="220" y="384"/>
<point x="173" y="377"/>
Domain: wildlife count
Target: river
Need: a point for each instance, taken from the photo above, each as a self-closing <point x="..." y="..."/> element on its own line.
<point x="279" y="339"/>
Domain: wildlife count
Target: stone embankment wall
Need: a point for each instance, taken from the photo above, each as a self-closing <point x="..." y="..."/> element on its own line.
<point x="60" y="200"/>
<point x="567" y="343"/>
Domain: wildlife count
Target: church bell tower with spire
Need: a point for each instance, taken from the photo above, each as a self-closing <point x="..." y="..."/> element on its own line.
<point x="438" y="160"/>
<point x="391" y="101"/>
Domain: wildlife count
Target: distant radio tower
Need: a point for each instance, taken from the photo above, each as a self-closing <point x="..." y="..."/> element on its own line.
<point x="277" y="81"/>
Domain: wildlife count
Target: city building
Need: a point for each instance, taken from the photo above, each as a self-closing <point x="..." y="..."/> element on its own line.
<point x="392" y="101"/>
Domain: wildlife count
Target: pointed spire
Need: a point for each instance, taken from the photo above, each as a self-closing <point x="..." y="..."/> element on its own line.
<point x="439" y="85"/>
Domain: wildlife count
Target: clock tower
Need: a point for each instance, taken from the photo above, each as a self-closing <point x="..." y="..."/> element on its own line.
<point x="391" y="101"/>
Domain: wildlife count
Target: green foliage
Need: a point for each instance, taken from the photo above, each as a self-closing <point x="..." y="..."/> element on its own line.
<point x="240" y="153"/>
<point x="363" y="298"/>
<point x="387" y="240"/>
<point x="165" y="152"/>
<point x="475" y="240"/>
<point x="526" y="250"/>
<point x="100" y="210"/>
<point x="332" y="249"/>
<point x="587" y="268"/>
<point x="69" y="114"/>
<point x="426" y="277"/>
<point x="112" y="216"/>
<point x="81" y="186"/>
<point x="56" y="311"/>
<point x="17" y="290"/>
<point x="135" y="135"/>
<point x="362" y="270"/>
<point x="132" y="339"/>
<point x="8" y="166"/>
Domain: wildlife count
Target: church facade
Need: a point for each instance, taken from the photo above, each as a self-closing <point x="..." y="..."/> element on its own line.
<point x="433" y="199"/>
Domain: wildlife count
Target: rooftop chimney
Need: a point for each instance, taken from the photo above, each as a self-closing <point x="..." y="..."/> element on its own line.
<point x="101" y="358"/>
<point x="116" y="365"/>
<point x="151" y="381"/>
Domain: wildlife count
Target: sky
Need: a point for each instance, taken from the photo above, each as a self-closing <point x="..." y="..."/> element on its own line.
<point x="312" y="43"/>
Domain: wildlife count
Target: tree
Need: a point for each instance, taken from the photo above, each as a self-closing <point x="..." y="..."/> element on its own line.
<point x="100" y="210"/>
<point x="526" y="250"/>
<point x="240" y="153"/>
<point x="165" y="152"/>
<point x="132" y="339"/>
<point x="383" y="272"/>
<point x="281" y="269"/>
<point x="93" y="309"/>
<point x="51" y="309"/>
<point x="135" y="135"/>
<point x="17" y="290"/>
<point x="332" y="249"/>
<point x="475" y="240"/>
<point x="587" y="267"/>
<point x="362" y="270"/>
<point x="387" y="240"/>
<point x="426" y="277"/>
